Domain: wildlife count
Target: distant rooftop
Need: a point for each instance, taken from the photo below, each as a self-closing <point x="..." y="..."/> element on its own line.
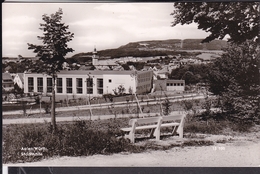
<point x="6" y="76"/>
<point x="21" y="76"/>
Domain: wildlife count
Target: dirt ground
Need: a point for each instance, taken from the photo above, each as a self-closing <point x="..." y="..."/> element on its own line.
<point x="230" y="150"/>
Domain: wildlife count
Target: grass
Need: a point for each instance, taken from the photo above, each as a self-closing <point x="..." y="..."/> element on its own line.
<point x="73" y="139"/>
<point x="84" y="138"/>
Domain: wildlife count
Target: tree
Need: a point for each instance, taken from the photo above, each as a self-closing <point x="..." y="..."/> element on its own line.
<point x="235" y="78"/>
<point x="125" y="66"/>
<point x="53" y="50"/>
<point x="235" y="75"/>
<point x="191" y="73"/>
<point x="239" y="20"/>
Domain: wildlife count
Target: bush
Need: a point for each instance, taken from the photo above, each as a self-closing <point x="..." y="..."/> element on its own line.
<point x="187" y="105"/>
<point x="166" y="106"/>
<point x="198" y="143"/>
<point x="210" y="127"/>
<point x="214" y="123"/>
<point x="234" y="77"/>
<point x="47" y="108"/>
<point x="81" y="138"/>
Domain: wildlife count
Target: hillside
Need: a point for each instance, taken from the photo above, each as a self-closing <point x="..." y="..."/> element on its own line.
<point x="155" y="48"/>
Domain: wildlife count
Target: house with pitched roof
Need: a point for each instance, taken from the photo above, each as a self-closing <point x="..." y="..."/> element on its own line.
<point x="18" y="79"/>
<point x="7" y="81"/>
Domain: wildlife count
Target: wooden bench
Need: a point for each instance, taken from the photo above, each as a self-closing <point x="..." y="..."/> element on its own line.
<point x="155" y="124"/>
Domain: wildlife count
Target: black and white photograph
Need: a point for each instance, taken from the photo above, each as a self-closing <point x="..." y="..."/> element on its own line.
<point x="173" y="84"/>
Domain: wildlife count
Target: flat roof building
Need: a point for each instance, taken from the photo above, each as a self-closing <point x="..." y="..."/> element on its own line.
<point x="170" y="85"/>
<point x="80" y="83"/>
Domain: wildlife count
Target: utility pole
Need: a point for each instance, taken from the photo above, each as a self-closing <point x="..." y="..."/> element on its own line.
<point x="88" y="100"/>
<point x="137" y="101"/>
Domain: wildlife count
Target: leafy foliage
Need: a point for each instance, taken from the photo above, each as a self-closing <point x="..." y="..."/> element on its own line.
<point x="239" y="20"/>
<point x="235" y="77"/>
<point x="119" y="91"/>
<point x="192" y="74"/>
<point x="55" y="38"/>
<point x="166" y="106"/>
<point x="81" y="138"/>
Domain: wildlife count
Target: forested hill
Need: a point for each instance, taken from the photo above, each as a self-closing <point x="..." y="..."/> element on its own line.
<point x="156" y="48"/>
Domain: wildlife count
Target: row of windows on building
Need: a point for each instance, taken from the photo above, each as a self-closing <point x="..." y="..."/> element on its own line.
<point x="69" y="85"/>
<point x="144" y="75"/>
<point x="174" y="84"/>
<point x="140" y="80"/>
<point x="147" y="86"/>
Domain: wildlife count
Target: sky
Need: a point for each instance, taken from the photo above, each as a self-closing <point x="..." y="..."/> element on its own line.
<point x="100" y="25"/>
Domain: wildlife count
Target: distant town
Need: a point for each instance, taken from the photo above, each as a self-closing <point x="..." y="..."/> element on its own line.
<point x="96" y="73"/>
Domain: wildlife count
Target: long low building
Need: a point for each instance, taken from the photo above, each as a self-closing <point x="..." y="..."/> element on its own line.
<point x="80" y="83"/>
<point x="170" y="85"/>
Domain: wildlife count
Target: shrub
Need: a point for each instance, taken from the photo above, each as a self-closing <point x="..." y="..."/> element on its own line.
<point x="166" y="106"/>
<point x="198" y="143"/>
<point x="47" y="108"/>
<point x="187" y="105"/>
<point x="76" y="139"/>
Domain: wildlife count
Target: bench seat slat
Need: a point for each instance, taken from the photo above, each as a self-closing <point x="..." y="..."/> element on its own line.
<point x="146" y="127"/>
<point x="126" y="129"/>
<point x="140" y="128"/>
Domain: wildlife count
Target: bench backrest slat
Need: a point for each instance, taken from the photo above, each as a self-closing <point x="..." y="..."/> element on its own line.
<point x="151" y="120"/>
<point x="148" y="120"/>
<point x="131" y="122"/>
<point x="172" y="118"/>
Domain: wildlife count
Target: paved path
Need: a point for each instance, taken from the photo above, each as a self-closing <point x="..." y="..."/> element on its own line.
<point x="236" y="154"/>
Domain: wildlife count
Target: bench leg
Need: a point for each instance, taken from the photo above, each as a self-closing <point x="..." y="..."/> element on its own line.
<point x="157" y="134"/>
<point x="131" y="137"/>
<point x="174" y="131"/>
<point x="152" y="133"/>
<point x="181" y="132"/>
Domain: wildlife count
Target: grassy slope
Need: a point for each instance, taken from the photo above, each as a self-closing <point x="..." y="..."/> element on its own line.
<point x="150" y="48"/>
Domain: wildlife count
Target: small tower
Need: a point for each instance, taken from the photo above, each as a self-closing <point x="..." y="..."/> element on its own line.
<point x="95" y="57"/>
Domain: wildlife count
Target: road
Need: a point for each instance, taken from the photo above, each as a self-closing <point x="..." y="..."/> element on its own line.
<point x="105" y="105"/>
<point x="86" y="107"/>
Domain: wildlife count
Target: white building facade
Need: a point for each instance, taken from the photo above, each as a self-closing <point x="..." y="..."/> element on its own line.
<point x="93" y="83"/>
<point x="175" y="85"/>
